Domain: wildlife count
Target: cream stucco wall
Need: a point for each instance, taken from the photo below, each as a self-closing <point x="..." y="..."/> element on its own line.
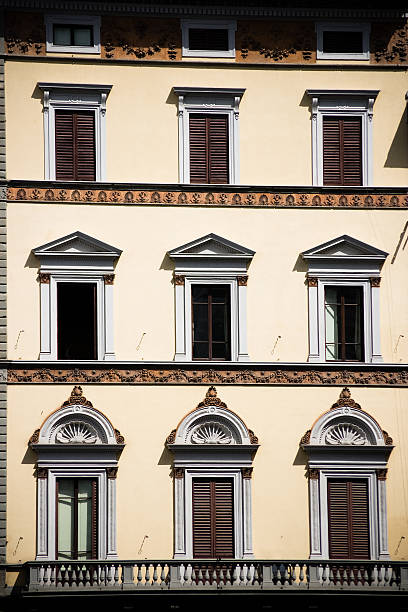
<point x="145" y="416"/>
<point x="142" y="125"/>
<point x="143" y="290"/>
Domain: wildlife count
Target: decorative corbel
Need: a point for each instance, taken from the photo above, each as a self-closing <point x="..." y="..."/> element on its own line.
<point x="46" y="101"/>
<point x="181" y="106"/>
<point x="315" y="107"/>
<point x="370" y="107"/>
<point x="104" y="96"/>
<point x="237" y="100"/>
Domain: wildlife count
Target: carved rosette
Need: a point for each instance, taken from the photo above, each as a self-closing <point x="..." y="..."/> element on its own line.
<point x="42" y="472"/>
<point x="375" y="281"/>
<point x="345" y="399"/>
<point x="112" y="472"/>
<point x="178" y="472"/>
<point x="313" y="473"/>
<point x="382" y="474"/>
<point x="242" y="281"/>
<point x="109" y="279"/>
<point x="312" y="281"/>
<point x="246" y="473"/>
<point x="44" y="278"/>
<point x="179" y="279"/>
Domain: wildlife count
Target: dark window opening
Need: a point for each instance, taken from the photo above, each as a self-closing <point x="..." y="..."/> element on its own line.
<point x="342" y="42"/>
<point x="66" y="35"/>
<point x="77" y="321"/>
<point x="76" y="518"/>
<point x="209" y="158"/>
<point x="211" y="39"/>
<point x="75" y="158"/>
<point x="344" y="319"/>
<point x="348" y="519"/>
<point x="213" y="518"/>
<point x="211" y="322"/>
<point x="342" y="151"/>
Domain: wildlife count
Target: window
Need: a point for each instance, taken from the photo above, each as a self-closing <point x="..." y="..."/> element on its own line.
<point x="210" y="281"/>
<point x="76" y="515"/>
<point x="342" y="123"/>
<point x="208" y="38"/>
<point x="213" y="518"/>
<point x="343" y="41"/>
<point x="208" y="134"/>
<point x="209" y="149"/>
<point x="211" y="320"/>
<point x="212" y="505"/>
<point x="347" y="461"/>
<point x="75" y="131"/>
<point x="76" y="298"/>
<point x="342" y="154"/>
<point x="344" y="314"/>
<point x="74" y="146"/>
<point x="344" y="302"/>
<point x="77" y="451"/>
<point x="73" y="34"/>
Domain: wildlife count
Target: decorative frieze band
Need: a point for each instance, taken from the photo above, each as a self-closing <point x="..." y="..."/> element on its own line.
<point x="273" y="375"/>
<point x="271" y="199"/>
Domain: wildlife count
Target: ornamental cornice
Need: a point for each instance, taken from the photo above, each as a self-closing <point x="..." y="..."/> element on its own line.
<point x="218" y="196"/>
<point x="266" y="374"/>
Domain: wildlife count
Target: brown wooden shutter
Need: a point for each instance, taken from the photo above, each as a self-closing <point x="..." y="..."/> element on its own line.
<point x="209" y="162"/>
<point x="75" y="146"/>
<point x="213" y="522"/>
<point x="342" y="151"/>
<point x="348" y="519"/>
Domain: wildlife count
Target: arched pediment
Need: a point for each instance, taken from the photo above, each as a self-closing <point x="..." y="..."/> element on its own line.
<point x="77" y="423"/>
<point x="211" y="423"/>
<point x="346" y="424"/>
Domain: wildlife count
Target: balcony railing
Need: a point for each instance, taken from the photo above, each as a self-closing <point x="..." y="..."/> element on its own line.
<point x="52" y="576"/>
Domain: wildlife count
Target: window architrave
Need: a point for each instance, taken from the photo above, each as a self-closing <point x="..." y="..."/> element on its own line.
<point x="208" y="101"/>
<point x="342" y="103"/>
<point x="76" y="258"/>
<point x="364" y="28"/>
<point x="93" y="21"/>
<point x="187" y="24"/>
<point x="74" y="97"/>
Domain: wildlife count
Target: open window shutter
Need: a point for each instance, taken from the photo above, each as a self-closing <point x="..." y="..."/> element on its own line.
<point x="342" y="151"/>
<point x="75" y="146"/>
<point x="348" y="519"/>
<point x="202" y="519"/>
<point x="209" y="149"/>
<point x="224" y="519"/>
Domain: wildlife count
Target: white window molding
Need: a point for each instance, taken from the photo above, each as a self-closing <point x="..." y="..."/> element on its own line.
<point x="76" y="258"/>
<point x="97" y="459"/>
<point x="186" y="24"/>
<point x="84" y="20"/>
<point x="229" y="458"/>
<point x="364" y="28"/>
<point x="208" y="100"/>
<point x="363" y="458"/>
<point x="344" y="261"/>
<point x="342" y="103"/>
<point x="70" y="96"/>
<point x="211" y="260"/>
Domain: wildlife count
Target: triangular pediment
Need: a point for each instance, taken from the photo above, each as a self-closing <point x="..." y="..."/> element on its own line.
<point x="77" y="244"/>
<point x="344" y="246"/>
<point x="211" y="245"/>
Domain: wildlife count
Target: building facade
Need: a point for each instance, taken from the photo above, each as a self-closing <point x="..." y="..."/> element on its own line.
<point x="204" y="328"/>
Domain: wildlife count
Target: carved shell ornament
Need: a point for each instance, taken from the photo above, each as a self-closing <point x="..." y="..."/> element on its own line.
<point x="212" y="433"/>
<point x="346" y="434"/>
<point x="76" y="433"/>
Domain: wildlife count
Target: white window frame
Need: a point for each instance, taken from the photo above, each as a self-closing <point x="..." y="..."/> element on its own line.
<point x="364" y="28"/>
<point x="347" y="103"/>
<point x="230" y="25"/>
<point x="208" y="101"/>
<point x="87" y="20"/>
<point x="73" y="97"/>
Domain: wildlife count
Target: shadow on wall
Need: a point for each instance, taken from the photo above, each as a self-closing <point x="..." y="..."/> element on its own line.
<point x="398" y="154"/>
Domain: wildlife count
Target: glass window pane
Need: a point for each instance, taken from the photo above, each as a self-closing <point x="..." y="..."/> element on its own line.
<point x="62" y="35"/>
<point x="220" y="294"/>
<point x="200" y="293"/>
<point x="84" y="518"/>
<point x="83" y="37"/>
<point x="200" y="350"/>
<point x="66" y="513"/>
<point x="220" y="351"/>
<point x="219" y="323"/>
<point x="200" y="322"/>
<point x="332" y="323"/>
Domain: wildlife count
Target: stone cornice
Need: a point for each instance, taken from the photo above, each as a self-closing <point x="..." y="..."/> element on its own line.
<point x="148" y="194"/>
<point x="170" y="373"/>
<point x="175" y="10"/>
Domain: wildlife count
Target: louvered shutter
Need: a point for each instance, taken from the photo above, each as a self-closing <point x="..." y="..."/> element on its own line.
<point x="348" y="519"/>
<point x="209" y="161"/>
<point x="74" y="146"/>
<point x="213" y="524"/>
<point x="342" y="151"/>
